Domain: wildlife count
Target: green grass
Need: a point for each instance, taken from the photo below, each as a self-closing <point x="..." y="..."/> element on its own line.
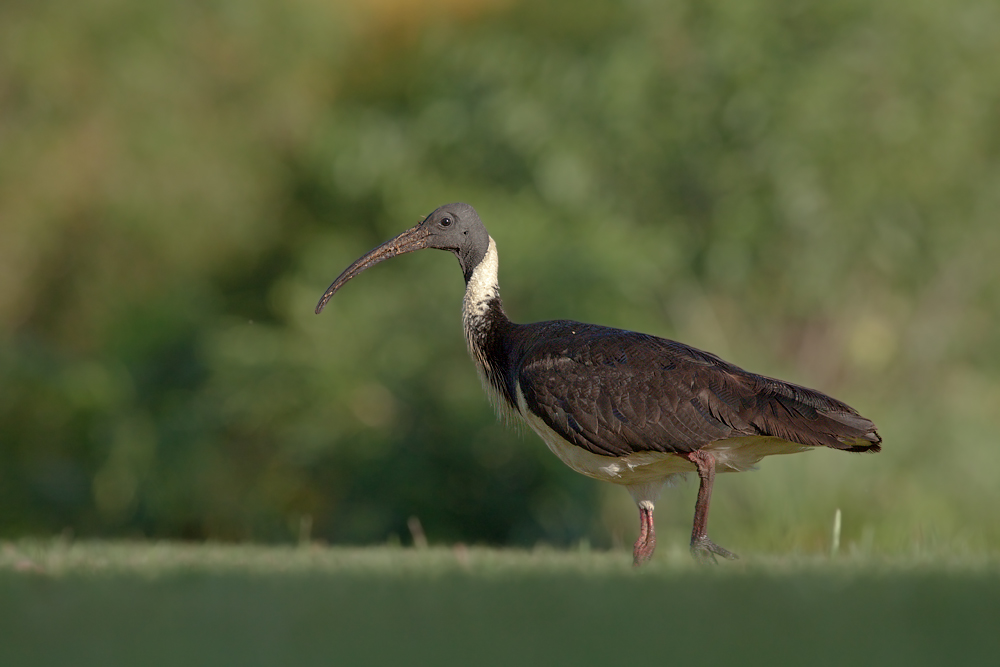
<point x="176" y="604"/>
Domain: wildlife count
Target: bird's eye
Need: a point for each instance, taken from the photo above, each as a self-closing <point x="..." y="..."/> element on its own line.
<point x="446" y="222"/>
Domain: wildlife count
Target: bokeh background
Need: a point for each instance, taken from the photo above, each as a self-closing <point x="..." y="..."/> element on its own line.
<point x="810" y="190"/>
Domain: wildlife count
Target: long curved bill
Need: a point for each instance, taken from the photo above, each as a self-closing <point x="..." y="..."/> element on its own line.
<point x="411" y="240"/>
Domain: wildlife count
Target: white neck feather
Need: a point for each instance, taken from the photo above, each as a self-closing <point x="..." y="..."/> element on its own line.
<point x="481" y="288"/>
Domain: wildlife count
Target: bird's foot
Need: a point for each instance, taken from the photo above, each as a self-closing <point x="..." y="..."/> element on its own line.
<point x="705" y="550"/>
<point x="643" y="551"/>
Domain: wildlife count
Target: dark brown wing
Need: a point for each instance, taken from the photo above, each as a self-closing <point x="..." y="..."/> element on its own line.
<point x="615" y="392"/>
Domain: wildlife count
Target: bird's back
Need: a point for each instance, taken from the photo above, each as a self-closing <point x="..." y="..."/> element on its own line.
<point x="615" y="392"/>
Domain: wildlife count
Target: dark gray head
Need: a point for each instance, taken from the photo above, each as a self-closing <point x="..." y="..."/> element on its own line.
<point x="454" y="227"/>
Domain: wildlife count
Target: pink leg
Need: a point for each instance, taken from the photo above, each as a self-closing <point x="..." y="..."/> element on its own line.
<point x="702" y="548"/>
<point x="646" y="544"/>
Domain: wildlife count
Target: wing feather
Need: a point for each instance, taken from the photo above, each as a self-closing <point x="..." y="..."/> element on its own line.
<point x="615" y="392"/>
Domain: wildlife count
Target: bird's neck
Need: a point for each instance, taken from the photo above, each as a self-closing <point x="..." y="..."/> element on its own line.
<point x="482" y="292"/>
<point x="485" y="324"/>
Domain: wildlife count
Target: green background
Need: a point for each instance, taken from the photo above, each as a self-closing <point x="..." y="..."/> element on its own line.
<point x="809" y="190"/>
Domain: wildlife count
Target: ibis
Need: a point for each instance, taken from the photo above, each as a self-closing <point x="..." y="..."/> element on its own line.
<point x="621" y="406"/>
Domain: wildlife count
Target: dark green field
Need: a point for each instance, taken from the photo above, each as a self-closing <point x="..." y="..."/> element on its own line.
<point x="158" y="604"/>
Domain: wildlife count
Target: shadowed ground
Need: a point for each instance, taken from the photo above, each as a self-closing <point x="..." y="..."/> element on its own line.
<point x="159" y="604"/>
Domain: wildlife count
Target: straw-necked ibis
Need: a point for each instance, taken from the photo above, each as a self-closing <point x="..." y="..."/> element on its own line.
<point x="621" y="406"/>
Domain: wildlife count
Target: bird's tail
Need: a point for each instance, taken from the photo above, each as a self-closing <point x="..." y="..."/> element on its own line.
<point x="798" y="414"/>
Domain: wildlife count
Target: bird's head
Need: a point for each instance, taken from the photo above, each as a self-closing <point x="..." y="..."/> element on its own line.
<point x="453" y="227"/>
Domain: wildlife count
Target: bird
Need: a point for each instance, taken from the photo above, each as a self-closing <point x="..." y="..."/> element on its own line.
<point x="621" y="406"/>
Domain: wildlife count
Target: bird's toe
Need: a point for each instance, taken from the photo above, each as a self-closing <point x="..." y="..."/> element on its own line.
<point x="705" y="550"/>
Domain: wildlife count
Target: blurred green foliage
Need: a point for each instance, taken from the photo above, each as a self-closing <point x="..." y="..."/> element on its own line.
<point x="808" y="189"/>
